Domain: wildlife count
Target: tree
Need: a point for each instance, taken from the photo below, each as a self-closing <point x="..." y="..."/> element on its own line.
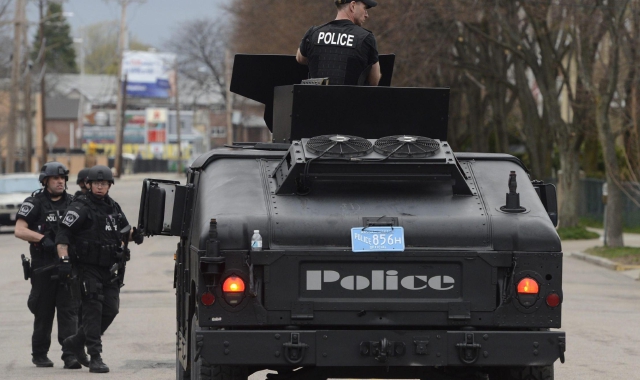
<point x="100" y="44"/>
<point x="200" y="46"/>
<point x="60" y="54"/>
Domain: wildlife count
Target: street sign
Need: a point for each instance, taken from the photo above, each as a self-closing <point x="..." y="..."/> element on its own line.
<point x="51" y="139"/>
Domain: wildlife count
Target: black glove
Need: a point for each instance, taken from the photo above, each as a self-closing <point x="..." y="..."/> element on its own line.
<point x="64" y="269"/>
<point x="48" y="245"/>
<point x="137" y="236"/>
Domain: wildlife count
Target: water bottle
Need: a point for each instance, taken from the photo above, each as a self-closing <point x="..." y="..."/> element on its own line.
<point x="256" y="241"/>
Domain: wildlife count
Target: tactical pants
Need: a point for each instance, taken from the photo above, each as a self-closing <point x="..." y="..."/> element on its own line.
<point x="100" y="305"/>
<point x="48" y="296"/>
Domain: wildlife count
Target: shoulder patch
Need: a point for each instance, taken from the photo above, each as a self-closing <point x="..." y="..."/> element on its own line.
<point x="26" y="208"/>
<point x="70" y="218"/>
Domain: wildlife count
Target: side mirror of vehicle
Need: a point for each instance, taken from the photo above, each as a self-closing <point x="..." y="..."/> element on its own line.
<point x="162" y="206"/>
<point x="549" y="198"/>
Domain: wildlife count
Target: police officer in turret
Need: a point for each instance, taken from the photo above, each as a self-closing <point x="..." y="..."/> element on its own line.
<point x="37" y="222"/>
<point x="90" y="232"/>
<point x="80" y="181"/>
<point x="342" y="50"/>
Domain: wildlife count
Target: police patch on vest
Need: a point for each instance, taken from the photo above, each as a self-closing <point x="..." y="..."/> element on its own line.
<point x="335" y="39"/>
<point x="26" y="208"/>
<point x="70" y="218"/>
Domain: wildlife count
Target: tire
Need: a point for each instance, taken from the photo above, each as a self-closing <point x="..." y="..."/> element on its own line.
<point x="523" y="373"/>
<point x="203" y="370"/>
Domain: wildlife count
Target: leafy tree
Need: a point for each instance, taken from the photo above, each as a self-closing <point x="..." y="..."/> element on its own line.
<point x="60" y="55"/>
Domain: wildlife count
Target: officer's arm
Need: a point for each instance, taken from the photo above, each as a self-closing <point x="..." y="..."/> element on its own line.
<point x="23" y="232"/>
<point x="374" y="74"/>
<point x="72" y="220"/>
<point x="301" y="58"/>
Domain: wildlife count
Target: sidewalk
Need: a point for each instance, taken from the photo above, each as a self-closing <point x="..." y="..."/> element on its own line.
<point x="576" y="248"/>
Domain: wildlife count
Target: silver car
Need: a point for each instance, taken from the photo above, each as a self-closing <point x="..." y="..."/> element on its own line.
<point x="14" y="188"/>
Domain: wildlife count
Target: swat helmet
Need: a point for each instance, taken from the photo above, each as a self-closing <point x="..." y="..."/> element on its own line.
<point x="100" y="173"/>
<point x="82" y="176"/>
<point x="52" y="169"/>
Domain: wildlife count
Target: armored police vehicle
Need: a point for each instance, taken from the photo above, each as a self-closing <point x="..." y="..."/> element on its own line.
<point x="358" y="244"/>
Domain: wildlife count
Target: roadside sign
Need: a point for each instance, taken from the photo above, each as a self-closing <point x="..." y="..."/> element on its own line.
<point x="51" y="139"/>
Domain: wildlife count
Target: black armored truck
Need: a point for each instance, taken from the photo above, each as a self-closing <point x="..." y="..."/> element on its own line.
<point x="358" y="244"/>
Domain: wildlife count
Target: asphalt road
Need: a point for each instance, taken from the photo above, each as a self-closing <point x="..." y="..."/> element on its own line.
<point x="601" y="315"/>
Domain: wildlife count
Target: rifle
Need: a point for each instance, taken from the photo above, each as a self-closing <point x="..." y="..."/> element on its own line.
<point x="123" y="255"/>
<point x="70" y="282"/>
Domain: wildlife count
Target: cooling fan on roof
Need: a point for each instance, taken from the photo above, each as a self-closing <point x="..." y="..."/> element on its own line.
<point x="339" y="146"/>
<point x="406" y="146"/>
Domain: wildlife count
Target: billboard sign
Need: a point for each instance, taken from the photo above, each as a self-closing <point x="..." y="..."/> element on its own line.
<point x="149" y="74"/>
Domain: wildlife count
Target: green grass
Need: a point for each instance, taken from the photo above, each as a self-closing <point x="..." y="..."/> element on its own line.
<point x="623" y="255"/>
<point x="576" y="233"/>
<point x="597" y="223"/>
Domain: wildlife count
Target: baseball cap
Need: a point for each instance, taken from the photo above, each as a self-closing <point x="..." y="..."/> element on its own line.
<point x="368" y="3"/>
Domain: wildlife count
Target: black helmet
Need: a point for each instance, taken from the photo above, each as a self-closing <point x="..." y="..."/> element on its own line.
<point x="51" y="169"/>
<point x="82" y="175"/>
<point x="100" y="173"/>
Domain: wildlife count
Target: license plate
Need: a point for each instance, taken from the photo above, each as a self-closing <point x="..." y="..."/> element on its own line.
<point x="377" y="239"/>
<point x="12" y="216"/>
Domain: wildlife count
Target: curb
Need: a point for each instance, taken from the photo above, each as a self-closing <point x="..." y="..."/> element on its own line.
<point x="600" y="261"/>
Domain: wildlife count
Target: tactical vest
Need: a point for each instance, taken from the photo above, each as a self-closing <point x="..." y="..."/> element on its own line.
<point x="335" y="51"/>
<point x="50" y="216"/>
<point x="98" y="245"/>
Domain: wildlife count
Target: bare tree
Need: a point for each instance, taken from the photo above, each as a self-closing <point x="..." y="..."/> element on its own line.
<point x="200" y="46"/>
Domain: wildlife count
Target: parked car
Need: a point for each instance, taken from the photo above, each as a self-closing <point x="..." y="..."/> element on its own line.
<point x="14" y="188"/>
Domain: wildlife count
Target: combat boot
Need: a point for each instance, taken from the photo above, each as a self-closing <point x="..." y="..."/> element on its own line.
<point x="41" y="360"/>
<point x="77" y="349"/>
<point x="71" y="363"/>
<point x="97" y="365"/>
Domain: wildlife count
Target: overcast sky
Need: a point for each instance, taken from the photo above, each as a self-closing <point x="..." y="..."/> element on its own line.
<point x="151" y="22"/>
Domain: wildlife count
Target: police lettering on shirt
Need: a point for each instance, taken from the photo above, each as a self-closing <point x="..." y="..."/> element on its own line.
<point x="111" y="221"/>
<point x="52" y="217"/>
<point x="26" y="208"/>
<point x="337" y="39"/>
<point x="70" y="218"/>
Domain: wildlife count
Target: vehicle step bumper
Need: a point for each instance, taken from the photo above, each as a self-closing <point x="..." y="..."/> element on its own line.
<point x="330" y="348"/>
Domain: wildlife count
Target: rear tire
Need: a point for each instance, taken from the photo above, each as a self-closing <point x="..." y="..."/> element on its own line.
<point x="203" y="370"/>
<point x="523" y="373"/>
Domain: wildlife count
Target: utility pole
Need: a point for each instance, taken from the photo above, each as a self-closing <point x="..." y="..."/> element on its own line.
<point x="43" y="117"/>
<point x="28" y="118"/>
<point x="16" y="64"/>
<point x="178" y="124"/>
<point x="120" y="107"/>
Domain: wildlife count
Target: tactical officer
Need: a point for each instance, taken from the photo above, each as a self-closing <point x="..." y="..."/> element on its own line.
<point x="82" y="176"/>
<point x="90" y="231"/>
<point x="342" y="50"/>
<point x="37" y="222"/>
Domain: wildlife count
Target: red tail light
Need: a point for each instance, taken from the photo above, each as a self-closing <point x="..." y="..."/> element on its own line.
<point x="528" y="286"/>
<point x="553" y="300"/>
<point x="207" y="298"/>
<point x="233" y="284"/>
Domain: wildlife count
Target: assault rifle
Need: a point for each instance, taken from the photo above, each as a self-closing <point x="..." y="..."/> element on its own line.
<point x="123" y="254"/>
<point x="70" y="280"/>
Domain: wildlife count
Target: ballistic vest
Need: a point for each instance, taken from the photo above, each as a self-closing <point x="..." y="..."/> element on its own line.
<point x="50" y="216"/>
<point x="336" y="51"/>
<point x="99" y="244"/>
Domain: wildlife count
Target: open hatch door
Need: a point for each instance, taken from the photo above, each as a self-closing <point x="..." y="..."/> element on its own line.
<point x="162" y="207"/>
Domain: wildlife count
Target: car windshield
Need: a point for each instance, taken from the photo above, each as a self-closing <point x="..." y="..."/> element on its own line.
<point x="18" y="185"/>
